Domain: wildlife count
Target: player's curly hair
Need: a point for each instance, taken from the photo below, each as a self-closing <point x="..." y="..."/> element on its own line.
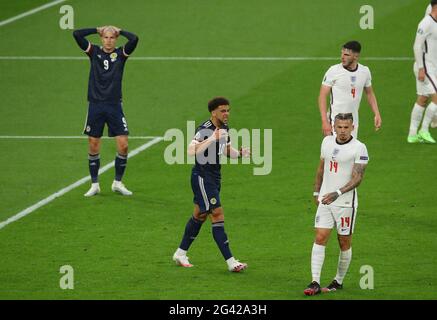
<point x="433" y="3"/>
<point x="216" y="102"/>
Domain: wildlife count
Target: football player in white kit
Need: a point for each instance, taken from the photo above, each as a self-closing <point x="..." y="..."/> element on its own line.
<point x="343" y="161"/>
<point x="345" y="83"/>
<point x="434" y="120"/>
<point x="425" y="70"/>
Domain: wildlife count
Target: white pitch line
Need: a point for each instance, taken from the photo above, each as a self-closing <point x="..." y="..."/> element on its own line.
<point x="53" y="58"/>
<point x="63" y="191"/>
<point x="30" y="12"/>
<point x="73" y="137"/>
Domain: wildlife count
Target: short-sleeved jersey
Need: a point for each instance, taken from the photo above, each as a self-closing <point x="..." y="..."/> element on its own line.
<point x="208" y="163"/>
<point x="339" y="160"/>
<point x="106" y="74"/>
<point x="425" y="44"/>
<point x="346" y="88"/>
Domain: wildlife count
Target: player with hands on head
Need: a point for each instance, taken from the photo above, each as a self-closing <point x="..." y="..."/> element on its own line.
<point x="105" y="100"/>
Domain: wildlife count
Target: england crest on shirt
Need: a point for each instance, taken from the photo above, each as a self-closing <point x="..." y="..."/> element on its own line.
<point x="335" y="153"/>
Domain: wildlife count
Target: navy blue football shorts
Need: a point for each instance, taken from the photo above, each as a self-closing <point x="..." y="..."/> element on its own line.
<point x="100" y="113"/>
<point x="206" y="192"/>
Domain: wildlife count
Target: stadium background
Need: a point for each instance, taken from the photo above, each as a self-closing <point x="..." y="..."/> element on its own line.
<point x="121" y="248"/>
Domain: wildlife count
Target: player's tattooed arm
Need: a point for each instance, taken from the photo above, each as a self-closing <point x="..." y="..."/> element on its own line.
<point x="357" y="176"/>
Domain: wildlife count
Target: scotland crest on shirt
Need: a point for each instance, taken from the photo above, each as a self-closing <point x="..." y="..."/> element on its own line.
<point x="113" y="56"/>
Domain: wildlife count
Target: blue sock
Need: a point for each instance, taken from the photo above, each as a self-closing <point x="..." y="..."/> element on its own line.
<point x="94" y="165"/>
<point x="220" y="237"/>
<point x="192" y="229"/>
<point x="120" y="166"/>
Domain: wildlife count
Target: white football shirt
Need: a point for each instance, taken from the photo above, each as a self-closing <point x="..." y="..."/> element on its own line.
<point x="428" y="9"/>
<point x="339" y="160"/>
<point x="425" y="44"/>
<point x="346" y="89"/>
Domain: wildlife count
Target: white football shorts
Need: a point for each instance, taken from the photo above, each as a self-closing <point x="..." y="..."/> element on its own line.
<point x="429" y="86"/>
<point x="342" y="218"/>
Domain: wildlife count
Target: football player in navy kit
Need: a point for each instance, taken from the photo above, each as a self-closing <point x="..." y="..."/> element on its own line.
<point x="105" y="99"/>
<point x="210" y="142"/>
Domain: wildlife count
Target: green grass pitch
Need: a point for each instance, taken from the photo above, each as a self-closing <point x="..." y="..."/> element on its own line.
<point x="121" y="248"/>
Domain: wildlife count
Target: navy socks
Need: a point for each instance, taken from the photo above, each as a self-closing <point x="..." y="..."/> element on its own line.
<point x="220" y="237"/>
<point x="192" y="229"/>
<point x="120" y="166"/>
<point x="94" y="165"/>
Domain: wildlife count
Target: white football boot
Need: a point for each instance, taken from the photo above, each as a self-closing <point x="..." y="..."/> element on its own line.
<point x="95" y="189"/>
<point x="118" y="186"/>
<point x="182" y="260"/>
<point x="235" y="265"/>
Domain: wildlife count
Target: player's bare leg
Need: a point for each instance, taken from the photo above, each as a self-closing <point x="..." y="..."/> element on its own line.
<point x="218" y="231"/>
<point x="430" y="112"/>
<point x="94" y="165"/>
<point x="434" y="122"/>
<point x="344" y="261"/>
<point x="434" y="118"/>
<point x="120" y="165"/>
<point x="192" y="229"/>
<point x="317" y="259"/>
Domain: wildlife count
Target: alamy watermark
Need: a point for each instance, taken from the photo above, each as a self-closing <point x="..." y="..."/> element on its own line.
<point x="67" y="280"/>
<point x="367" y="281"/>
<point x="258" y="141"/>
<point x="67" y="20"/>
<point x="367" y="21"/>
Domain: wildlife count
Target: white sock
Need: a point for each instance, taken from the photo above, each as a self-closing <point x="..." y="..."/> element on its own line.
<point x="317" y="258"/>
<point x="180" y="252"/>
<point x="343" y="264"/>
<point x="429" y="114"/>
<point x="230" y="262"/>
<point x="416" y="118"/>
